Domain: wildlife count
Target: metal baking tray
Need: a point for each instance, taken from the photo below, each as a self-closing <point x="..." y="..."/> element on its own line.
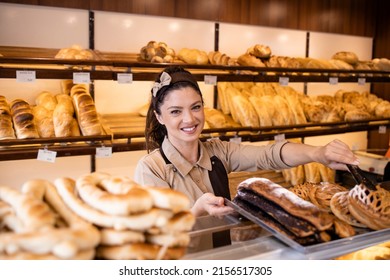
<point x="363" y="238"/>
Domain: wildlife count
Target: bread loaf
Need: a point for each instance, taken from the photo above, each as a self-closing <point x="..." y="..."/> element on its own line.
<point x="23" y="119"/>
<point x="193" y="56"/>
<point x="85" y="109"/>
<point x="46" y="100"/>
<point x="6" y="128"/>
<point x="44" y="121"/>
<point x="63" y="118"/>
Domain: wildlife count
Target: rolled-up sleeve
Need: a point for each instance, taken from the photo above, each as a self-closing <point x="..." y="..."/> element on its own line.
<point x="242" y="157"/>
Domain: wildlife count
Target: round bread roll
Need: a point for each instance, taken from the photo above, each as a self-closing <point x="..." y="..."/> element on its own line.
<point x="346" y="56"/>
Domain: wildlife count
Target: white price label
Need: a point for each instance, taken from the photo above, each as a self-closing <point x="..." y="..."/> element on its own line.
<point x="382" y="129"/>
<point x="125" y="78"/>
<point x="81" y="78"/>
<point x="25" y="76"/>
<point x="361" y="81"/>
<point x="46" y="155"/>
<point x="210" y="80"/>
<point x="236" y="140"/>
<point x="283" y="81"/>
<point x="279" y="137"/>
<point x="333" y="80"/>
<point x="104" y="152"/>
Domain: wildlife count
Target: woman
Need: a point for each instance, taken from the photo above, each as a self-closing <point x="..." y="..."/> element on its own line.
<point x="178" y="159"/>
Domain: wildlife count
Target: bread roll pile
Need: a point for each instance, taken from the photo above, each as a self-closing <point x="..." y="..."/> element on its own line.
<point x="6" y="126"/>
<point x="311" y="172"/>
<point x="157" y="52"/>
<point x="37" y="224"/>
<point x="135" y="222"/>
<point x="218" y="58"/>
<point x="74" y="52"/>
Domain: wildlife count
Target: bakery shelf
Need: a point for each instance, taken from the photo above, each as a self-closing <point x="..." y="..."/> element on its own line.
<point x="17" y="149"/>
<point x="106" y="66"/>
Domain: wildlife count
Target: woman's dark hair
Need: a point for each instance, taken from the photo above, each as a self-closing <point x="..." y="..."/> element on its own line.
<point x="177" y="78"/>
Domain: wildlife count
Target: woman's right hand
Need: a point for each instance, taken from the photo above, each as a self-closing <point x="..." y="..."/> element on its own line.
<point x="212" y="205"/>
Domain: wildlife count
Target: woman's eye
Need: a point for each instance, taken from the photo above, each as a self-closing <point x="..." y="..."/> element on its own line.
<point x="175" y="112"/>
<point x="197" y="107"/>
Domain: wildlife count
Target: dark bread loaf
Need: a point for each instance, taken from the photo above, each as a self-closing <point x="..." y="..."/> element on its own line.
<point x="23" y="119"/>
<point x="6" y="128"/>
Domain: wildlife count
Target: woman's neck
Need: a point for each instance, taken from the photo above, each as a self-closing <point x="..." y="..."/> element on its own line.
<point x="189" y="150"/>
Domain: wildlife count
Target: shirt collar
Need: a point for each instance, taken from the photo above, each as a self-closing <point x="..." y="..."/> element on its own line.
<point x="180" y="163"/>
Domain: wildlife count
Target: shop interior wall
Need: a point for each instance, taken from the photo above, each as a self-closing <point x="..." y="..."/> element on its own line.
<point x="71" y="26"/>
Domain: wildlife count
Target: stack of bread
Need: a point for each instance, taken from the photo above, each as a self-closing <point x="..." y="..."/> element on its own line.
<point x="219" y="58"/>
<point x="261" y="104"/>
<point x="36" y="224"/>
<point x="85" y="110"/>
<point x="74" y="52"/>
<point x="135" y="222"/>
<point x="311" y="172"/>
<point x="288" y="214"/>
<point x="157" y="52"/>
<point x="6" y="127"/>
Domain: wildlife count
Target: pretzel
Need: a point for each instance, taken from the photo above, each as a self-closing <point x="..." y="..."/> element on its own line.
<point x="138" y="251"/>
<point x="81" y="255"/>
<point x="125" y="198"/>
<point x="166" y="198"/>
<point x="140" y="222"/>
<point x="179" y="239"/>
<point x="182" y="221"/>
<point x="63" y="243"/>
<point x="33" y="213"/>
<point x="119" y="237"/>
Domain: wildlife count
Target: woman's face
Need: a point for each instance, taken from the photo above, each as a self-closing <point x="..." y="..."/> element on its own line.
<point x="183" y="116"/>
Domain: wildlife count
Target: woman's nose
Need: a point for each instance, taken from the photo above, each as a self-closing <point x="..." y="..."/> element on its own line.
<point x="188" y="117"/>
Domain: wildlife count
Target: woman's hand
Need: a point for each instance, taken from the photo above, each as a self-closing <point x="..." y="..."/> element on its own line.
<point x="210" y="204"/>
<point x="335" y="155"/>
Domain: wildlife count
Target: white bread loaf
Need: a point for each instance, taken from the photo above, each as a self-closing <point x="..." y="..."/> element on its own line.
<point x="6" y="128"/>
<point x="63" y="116"/>
<point x="23" y="119"/>
<point x="85" y="109"/>
<point x="193" y="56"/>
<point x="47" y="100"/>
<point x="43" y="121"/>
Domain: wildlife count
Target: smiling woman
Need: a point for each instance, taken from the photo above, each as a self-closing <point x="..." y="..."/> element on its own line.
<point x="177" y="159"/>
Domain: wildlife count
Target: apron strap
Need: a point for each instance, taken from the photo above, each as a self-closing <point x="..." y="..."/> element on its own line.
<point x="220" y="183"/>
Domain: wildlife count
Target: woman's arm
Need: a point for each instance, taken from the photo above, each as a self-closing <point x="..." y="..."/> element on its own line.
<point x="334" y="155"/>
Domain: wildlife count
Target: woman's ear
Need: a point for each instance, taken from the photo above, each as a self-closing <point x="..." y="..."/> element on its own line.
<point x="158" y="117"/>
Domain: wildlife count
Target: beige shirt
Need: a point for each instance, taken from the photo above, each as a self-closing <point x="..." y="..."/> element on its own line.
<point x="193" y="180"/>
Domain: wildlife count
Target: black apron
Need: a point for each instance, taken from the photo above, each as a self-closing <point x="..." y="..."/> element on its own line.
<point x="220" y="184"/>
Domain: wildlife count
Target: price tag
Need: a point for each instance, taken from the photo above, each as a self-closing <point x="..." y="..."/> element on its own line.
<point x="125" y="78"/>
<point x="283" y="81"/>
<point x="25" y="76"/>
<point x="81" y="78"/>
<point x="361" y="81"/>
<point x="235" y="139"/>
<point x="279" y="137"/>
<point x="333" y="80"/>
<point x="103" y="152"/>
<point x="382" y="129"/>
<point x="46" y="155"/>
<point x="210" y="80"/>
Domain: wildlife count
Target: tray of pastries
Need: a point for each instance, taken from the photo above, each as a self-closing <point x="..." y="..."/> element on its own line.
<point x="316" y="218"/>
